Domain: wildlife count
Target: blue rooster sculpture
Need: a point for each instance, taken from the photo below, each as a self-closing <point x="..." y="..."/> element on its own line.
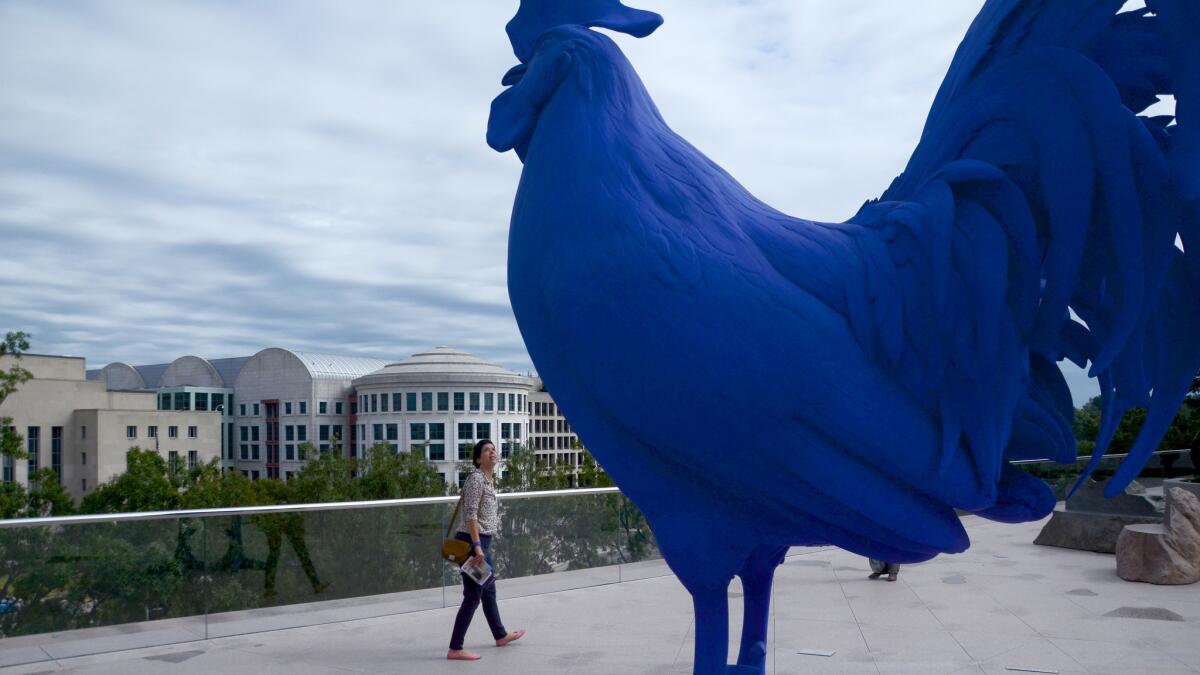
<point x="755" y="381"/>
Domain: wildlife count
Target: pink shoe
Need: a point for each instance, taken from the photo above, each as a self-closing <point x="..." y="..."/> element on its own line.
<point x="511" y="637"/>
<point x="461" y="655"/>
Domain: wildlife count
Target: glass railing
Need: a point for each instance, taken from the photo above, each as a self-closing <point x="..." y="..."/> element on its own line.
<point x="88" y="584"/>
<point x="1062" y="477"/>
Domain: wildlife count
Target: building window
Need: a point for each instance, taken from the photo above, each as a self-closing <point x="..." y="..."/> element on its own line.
<point x="201" y="401"/>
<point x="83" y="484"/>
<point x="464" y="451"/>
<point x="254" y="451"/>
<point x="410" y="402"/>
<point x="443" y="401"/>
<point x="245" y="451"/>
<point x="377" y="432"/>
<point x="337" y="432"/>
<point x="466" y="430"/>
<point x="383" y="403"/>
<point x="83" y="458"/>
<point x="474" y="401"/>
<point x="32" y="441"/>
<point x="437" y="431"/>
<point x="256" y="410"/>
<point x="426" y="401"/>
<point x="289" y="452"/>
<point x="487" y="402"/>
<point x="397" y="402"/>
<point x="152" y="432"/>
<point x="218" y="402"/>
<point x="500" y="402"/>
<point x="460" y="401"/>
<point x="183" y="401"/>
<point x="322" y="407"/>
<point x="505" y="430"/>
<point x="516" y="430"/>
<point x="322" y="432"/>
<point x="301" y="432"/>
<point x="416" y="431"/>
<point x="437" y="452"/>
<point x="253" y="475"/>
<point x="303" y="407"/>
<point x="242" y="409"/>
<point x="254" y="433"/>
<point x="193" y="432"/>
<point x="287" y="408"/>
<point x="131" y="432"/>
<point x="337" y="408"/>
<point x="393" y="432"/>
<point x="83" y="433"/>
<point x="193" y="459"/>
<point x="483" y="430"/>
<point x="173" y="460"/>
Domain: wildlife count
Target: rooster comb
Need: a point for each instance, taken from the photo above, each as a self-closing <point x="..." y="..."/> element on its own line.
<point x="535" y="17"/>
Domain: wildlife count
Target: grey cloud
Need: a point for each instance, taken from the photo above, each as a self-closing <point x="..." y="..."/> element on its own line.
<point x="217" y="177"/>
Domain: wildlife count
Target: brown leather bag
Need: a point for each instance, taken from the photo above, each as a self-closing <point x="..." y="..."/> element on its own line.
<point x="455" y="551"/>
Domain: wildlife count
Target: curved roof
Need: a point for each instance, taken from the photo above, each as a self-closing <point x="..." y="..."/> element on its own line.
<point x="191" y="371"/>
<point x="333" y="367"/>
<point x="119" y="376"/>
<point x="443" y="365"/>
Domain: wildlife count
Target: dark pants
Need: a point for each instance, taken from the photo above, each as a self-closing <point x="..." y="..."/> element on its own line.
<point x="473" y="594"/>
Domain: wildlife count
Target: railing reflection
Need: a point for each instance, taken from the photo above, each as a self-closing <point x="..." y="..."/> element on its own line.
<point x="95" y="581"/>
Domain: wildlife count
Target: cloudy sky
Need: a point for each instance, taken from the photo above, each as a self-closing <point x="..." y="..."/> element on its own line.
<point x="216" y="177"/>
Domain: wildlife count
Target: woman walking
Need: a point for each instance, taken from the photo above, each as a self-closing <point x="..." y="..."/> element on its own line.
<point x="480" y="522"/>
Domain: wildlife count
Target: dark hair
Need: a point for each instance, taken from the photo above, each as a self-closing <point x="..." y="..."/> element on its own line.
<point x="479" y="451"/>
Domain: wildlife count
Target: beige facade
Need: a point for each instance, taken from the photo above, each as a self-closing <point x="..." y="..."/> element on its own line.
<point x="83" y="430"/>
<point x="551" y="437"/>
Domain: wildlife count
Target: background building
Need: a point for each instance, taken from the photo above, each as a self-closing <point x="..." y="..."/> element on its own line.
<point x="439" y="404"/>
<point x="287" y="398"/>
<point x="551" y="437"/>
<point x="82" y="429"/>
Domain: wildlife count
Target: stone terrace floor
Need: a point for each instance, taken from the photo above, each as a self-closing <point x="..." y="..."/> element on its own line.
<point x="1004" y="605"/>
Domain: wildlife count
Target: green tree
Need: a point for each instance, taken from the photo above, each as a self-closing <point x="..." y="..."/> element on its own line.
<point x="391" y="475"/>
<point x="48" y="497"/>
<point x="144" y="486"/>
<point x="14" y="344"/>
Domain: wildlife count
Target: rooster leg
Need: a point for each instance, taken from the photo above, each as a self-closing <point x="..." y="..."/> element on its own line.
<point x="712" y="628"/>
<point x="757" y="574"/>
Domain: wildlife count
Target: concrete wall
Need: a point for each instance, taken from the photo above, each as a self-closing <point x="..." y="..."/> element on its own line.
<point x="72" y="403"/>
<point x="49" y="367"/>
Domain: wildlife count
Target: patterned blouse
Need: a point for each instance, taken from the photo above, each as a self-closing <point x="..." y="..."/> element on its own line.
<point x="479" y="502"/>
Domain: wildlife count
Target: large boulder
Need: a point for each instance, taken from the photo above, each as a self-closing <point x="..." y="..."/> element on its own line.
<point x="1166" y="554"/>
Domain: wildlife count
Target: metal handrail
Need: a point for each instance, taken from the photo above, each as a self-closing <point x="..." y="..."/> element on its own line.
<point x="339" y="506"/>
<point x="282" y="508"/>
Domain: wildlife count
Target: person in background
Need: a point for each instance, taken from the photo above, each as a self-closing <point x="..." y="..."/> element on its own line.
<point x="880" y="568"/>
<point x="480" y="522"/>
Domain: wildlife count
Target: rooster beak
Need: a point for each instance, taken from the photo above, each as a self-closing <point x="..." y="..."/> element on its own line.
<point x="514" y="75"/>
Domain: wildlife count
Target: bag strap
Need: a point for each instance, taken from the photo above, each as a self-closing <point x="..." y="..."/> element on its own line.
<point x="454" y="518"/>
